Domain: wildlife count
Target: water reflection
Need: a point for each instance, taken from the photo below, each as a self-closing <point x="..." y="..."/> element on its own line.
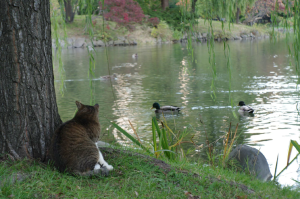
<point x="261" y="77"/>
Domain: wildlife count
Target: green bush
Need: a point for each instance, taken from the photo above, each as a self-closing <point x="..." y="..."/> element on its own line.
<point x="162" y="30"/>
<point x="172" y="15"/>
<point x="177" y="35"/>
<point x="154" y="32"/>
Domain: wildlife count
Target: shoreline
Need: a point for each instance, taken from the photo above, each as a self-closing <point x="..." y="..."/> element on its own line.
<point x="82" y="42"/>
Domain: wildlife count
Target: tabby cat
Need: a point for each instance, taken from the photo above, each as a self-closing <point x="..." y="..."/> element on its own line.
<point x="74" y="147"/>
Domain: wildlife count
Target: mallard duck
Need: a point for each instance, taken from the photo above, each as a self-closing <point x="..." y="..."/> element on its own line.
<point x="164" y="108"/>
<point x="134" y="55"/>
<point x="244" y="108"/>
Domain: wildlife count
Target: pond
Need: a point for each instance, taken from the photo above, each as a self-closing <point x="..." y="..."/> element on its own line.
<point x="261" y="76"/>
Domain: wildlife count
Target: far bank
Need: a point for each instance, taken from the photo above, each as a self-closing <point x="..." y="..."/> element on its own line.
<point x="110" y="34"/>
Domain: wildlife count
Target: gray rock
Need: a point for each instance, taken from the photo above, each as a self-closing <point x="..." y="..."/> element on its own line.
<point x="90" y="48"/>
<point x="88" y="43"/>
<point x="62" y="43"/>
<point x="70" y="41"/>
<point x="185" y="36"/>
<point x="244" y="36"/>
<point x="204" y="35"/>
<point x="131" y="41"/>
<point x="98" y="43"/>
<point x="110" y="43"/>
<point x="79" y="43"/>
<point x="158" y="40"/>
<point x="235" y="37"/>
<point x="199" y="36"/>
<point x="121" y="38"/>
<point x="255" y="33"/>
<point x="252" y="160"/>
<point x="119" y="42"/>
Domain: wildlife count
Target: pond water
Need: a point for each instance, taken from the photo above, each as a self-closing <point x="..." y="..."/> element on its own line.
<point x="261" y="77"/>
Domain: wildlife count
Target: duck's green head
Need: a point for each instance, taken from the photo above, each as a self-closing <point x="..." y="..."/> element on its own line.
<point x="155" y="105"/>
<point x="241" y="103"/>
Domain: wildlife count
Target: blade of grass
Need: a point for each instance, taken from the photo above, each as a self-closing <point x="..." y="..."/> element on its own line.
<point x="275" y="169"/>
<point x="156" y="126"/>
<point x="287" y="166"/>
<point x="134" y="132"/>
<point x="130" y="137"/>
<point x="225" y="149"/>
<point x="232" y="141"/>
<point x="165" y="145"/>
<point x="289" y="153"/>
<point x="296" y="145"/>
<point x="154" y="139"/>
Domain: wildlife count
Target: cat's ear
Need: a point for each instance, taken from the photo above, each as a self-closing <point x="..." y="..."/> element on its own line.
<point x="78" y="104"/>
<point x="96" y="106"/>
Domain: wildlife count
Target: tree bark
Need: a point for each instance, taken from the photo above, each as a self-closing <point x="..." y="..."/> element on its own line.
<point x="238" y="11"/>
<point x="193" y="5"/>
<point x="164" y="4"/>
<point x="28" y="109"/>
<point x="69" y="10"/>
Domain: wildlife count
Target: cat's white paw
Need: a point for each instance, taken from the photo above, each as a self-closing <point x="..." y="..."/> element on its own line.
<point x="97" y="166"/>
<point x="109" y="167"/>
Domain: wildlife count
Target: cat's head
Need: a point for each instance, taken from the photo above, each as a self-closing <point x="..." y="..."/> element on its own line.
<point x="87" y="112"/>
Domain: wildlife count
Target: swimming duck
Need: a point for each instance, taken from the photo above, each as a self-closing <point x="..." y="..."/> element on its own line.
<point x="244" y="108"/>
<point x="134" y="55"/>
<point x="165" y="108"/>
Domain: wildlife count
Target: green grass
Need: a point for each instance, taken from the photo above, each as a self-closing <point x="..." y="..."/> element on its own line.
<point x="235" y="29"/>
<point x="134" y="176"/>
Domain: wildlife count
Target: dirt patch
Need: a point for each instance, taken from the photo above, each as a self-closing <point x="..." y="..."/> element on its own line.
<point x="143" y="35"/>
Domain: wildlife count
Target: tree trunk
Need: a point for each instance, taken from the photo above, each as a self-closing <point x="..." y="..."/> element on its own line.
<point x="69" y="10"/>
<point x="238" y="11"/>
<point x="164" y="4"/>
<point x="28" y="109"/>
<point x="193" y="5"/>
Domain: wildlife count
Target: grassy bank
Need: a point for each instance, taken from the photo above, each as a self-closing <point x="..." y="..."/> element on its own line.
<point x="134" y="176"/>
<point x="143" y="33"/>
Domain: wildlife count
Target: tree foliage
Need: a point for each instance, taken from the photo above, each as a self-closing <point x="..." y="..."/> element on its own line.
<point x="123" y="12"/>
<point x="222" y="9"/>
<point x="239" y="7"/>
<point x="154" y="21"/>
<point x="263" y="8"/>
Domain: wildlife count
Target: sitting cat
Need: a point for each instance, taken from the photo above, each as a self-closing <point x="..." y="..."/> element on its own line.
<point x="74" y="147"/>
